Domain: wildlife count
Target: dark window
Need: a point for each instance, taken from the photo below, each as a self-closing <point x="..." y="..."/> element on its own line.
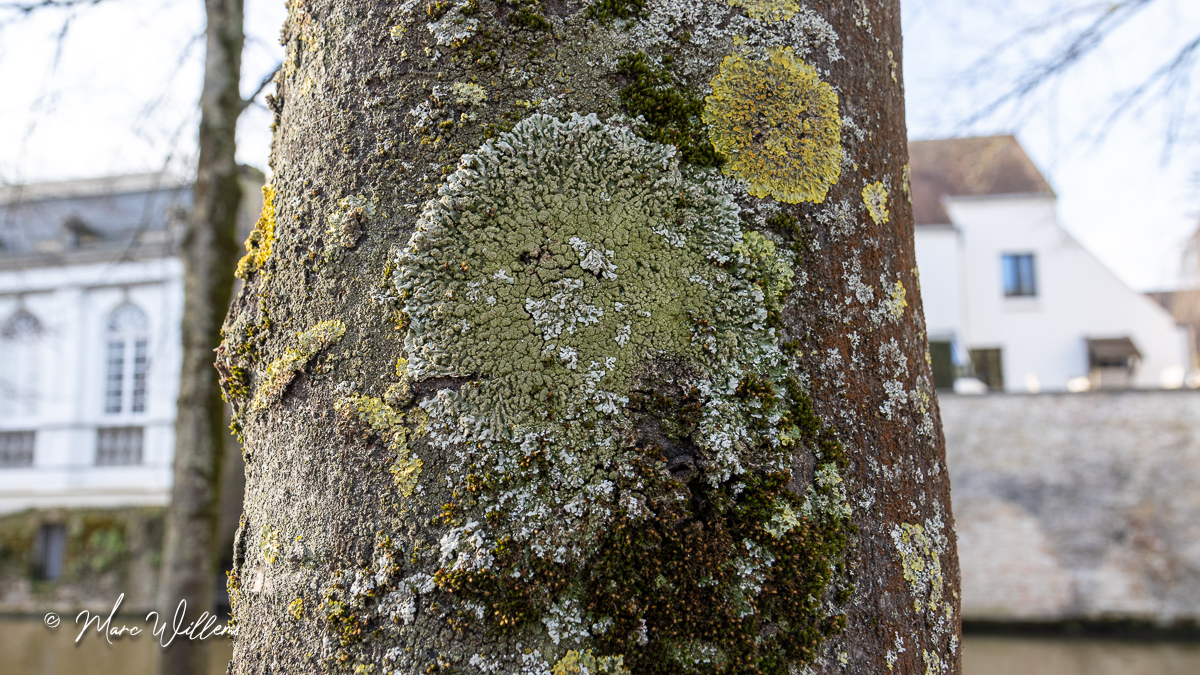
<point x="117" y="446"/>
<point x="140" y="363"/>
<point x="48" y="550"/>
<point x="1019" y="280"/>
<point x="988" y="367"/>
<point x="114" y="386"/>
<point x="941" y="358"/>
<point x="16" y="449"/>
<point x="1112" y="362"/>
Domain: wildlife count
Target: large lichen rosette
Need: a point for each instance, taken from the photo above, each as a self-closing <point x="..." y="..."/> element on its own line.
<point x="777" y="125"/>
<point x="588" y="334"/>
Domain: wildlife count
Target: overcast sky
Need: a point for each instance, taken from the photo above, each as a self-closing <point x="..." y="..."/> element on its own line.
<point x="120" y="96"/>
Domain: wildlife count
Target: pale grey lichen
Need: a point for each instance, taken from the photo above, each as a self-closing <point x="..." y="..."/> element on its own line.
<point x="348" y="222"/>
<point x="454" y="27"/>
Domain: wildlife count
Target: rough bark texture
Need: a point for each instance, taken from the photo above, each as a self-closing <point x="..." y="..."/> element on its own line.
<point x="523" y="390"/>
<point x="209" y="251"/>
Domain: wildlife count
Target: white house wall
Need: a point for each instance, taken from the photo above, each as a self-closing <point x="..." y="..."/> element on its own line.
<point x="1077" y="297"/>
<point x="939" y="261"/>
<point x="74" y="304"/>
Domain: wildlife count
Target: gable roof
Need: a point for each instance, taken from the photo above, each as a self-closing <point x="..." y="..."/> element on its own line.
<point x="965" y="167"/>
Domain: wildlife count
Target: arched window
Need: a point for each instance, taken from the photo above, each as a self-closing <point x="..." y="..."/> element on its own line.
<point x="20" y="344"/>
<point x="127" y="361"/>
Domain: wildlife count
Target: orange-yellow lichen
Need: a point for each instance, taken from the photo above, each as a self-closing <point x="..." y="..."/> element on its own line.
<point x="875" y="198"/>
<point x="769" y="10"/>
<point x="258" y="244"/>
<point x="777" y="124"/>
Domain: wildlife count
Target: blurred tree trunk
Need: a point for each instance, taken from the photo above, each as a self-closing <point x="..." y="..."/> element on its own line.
<point x="209" y="252"/>
<point x="524" y="389"/>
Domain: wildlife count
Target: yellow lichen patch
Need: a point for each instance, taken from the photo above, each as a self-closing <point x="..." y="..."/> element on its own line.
<point x="268" y="543"/>
<point x="897" y="302"/>
<point x="281" y="371"/>
<point x="906" y="178"/>
<point x="468" y="93"/>
<point x="373" y="411"/>
<point x="778" y="126"/>
<point x="381" y="417"/>
<point x="258" y="244"/>
<point x="875" y="198"/>
<point x="406" y="470"/>
<point x="295" y="608"/>
<point x="577" y="663"/>
<point x="920" y="551"/>
<point x="768" y="10"/>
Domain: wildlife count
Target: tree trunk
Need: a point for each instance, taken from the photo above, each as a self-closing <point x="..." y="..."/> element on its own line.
<point x="209" y="252"/>
<point x="588" y="337"/>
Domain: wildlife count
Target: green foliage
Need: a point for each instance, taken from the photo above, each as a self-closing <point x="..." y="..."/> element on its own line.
<point x="671" y="112"/>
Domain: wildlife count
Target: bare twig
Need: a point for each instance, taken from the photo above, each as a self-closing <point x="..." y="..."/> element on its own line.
<point x="246" y="103"/>
<point x="1081" y="44"/>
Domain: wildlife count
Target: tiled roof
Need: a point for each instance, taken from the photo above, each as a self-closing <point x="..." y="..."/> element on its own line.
<point x="961" y="167"/>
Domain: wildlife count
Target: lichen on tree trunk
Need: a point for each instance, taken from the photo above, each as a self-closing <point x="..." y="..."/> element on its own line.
<point x="586" y="336"/>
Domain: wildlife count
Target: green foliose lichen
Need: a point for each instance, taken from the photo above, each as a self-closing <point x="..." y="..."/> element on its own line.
<point x="280" y="372"/>
<point x="593" y="328"/>
<point x="349" y="221"/>
<point x="777" y="125"/>
<point x="576" y="663"/>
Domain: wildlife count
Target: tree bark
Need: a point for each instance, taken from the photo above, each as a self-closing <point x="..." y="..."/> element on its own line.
<point x="209" y="251"/>
<point x="588" y="336"/>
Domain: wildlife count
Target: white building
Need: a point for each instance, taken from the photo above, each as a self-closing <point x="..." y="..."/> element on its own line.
<point x="91" y="296"/>
<point x="1010" y="298"/>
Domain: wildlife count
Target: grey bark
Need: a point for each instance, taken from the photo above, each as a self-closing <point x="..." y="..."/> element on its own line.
<point x="353" y="553"/>
<point x="209" y="252"/>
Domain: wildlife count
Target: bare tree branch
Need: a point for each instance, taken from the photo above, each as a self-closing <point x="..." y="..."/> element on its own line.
<point x="1081" y="44"/>
<point x="248" y="101"/>
<point x="27" y="7"/>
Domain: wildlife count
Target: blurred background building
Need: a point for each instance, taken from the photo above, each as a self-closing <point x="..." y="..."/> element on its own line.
<point x="91" y="301"/>
<point x="1012" y="302"/>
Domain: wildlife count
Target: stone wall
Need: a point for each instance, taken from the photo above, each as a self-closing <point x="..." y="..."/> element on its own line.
<point x="1077" y="506"/>
<point x="108" y="552"/>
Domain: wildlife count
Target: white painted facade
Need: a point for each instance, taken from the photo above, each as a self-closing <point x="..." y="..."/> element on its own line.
<point x="1043" y="337"/>
<point x="66" y="407"/>
<point x="91" y="298"/>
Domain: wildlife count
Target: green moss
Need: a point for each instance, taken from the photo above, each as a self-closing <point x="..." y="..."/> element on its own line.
<point x="608" y="10"/>
<point x="528" y="14"/>
<point x="672" y="113"/>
